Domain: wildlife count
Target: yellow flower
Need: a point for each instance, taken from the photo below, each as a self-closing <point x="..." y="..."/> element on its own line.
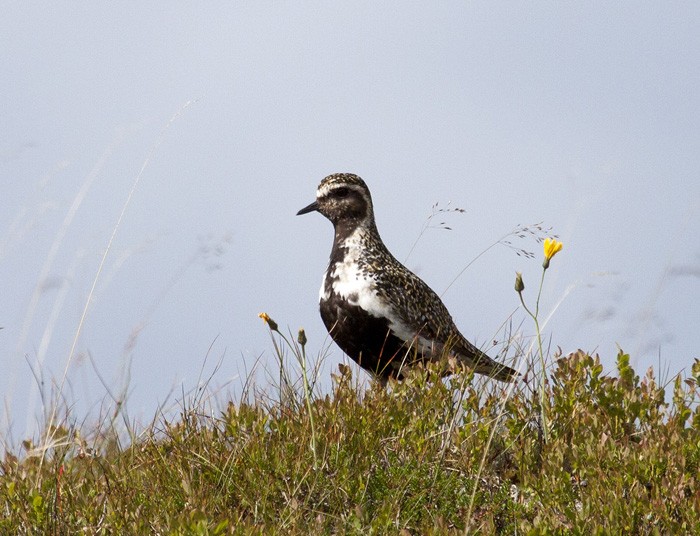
<point x="268" y="321"/>
<point x="551" y="248"/>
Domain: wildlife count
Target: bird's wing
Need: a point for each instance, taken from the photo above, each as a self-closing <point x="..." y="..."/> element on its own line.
<point x="421" y="306"/>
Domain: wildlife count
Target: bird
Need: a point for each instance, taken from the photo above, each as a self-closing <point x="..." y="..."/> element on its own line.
<point x="376" y="310"/>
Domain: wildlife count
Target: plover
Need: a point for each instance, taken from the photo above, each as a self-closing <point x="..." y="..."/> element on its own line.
<point x="377" y="311"/>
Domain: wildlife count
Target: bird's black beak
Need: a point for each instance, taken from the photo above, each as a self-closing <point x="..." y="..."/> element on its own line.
<point x="313" y="206"/>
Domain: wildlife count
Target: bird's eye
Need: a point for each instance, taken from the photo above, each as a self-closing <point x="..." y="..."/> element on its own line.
<point x="341" y="192"/>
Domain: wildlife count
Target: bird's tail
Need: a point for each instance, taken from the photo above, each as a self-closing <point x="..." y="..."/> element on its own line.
<point x="493" y="369"/>
<point x="471" y="356"/>
<point x="483" y="364"/>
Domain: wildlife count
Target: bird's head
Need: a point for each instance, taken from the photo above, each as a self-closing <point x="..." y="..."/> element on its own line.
<point x="344" y="199"/>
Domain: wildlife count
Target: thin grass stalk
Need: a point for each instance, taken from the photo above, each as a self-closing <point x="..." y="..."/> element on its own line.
<point x="544" y="406"/>
<point x="307" y="391"/>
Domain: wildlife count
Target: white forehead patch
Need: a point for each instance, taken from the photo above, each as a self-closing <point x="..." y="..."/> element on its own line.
<point x="324" y="189"/>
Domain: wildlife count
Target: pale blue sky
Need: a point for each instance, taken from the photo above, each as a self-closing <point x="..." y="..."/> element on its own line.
<point x="584" y="116"/>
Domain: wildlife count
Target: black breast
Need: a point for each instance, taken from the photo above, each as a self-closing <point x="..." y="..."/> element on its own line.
<point x="365" y="338"/>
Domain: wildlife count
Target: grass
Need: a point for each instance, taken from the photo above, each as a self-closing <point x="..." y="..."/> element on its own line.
<point x="567" y="450"/>
<point x="425" y="456"/>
